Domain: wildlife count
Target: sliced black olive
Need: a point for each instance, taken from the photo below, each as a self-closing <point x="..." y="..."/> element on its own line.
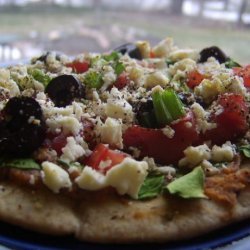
<point x="131" y="49"/>
<point x="22" y="128"/>
<point x="63" y="89"/>
<point x="215" y="52"/>
<point x="187" y="98"/>
<point x="20" y="109"/>
<point x="145" y="114"/>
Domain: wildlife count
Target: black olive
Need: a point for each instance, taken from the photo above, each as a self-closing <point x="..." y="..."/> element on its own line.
<point x="145" y="114"/>
<point x="187" y="98"/>
<point x="22" y="128"/>
<point x="19" y="109"/>
<point x="131" y="49"/>
<point x="63" y="89"/>
<point x="215" y="52"/>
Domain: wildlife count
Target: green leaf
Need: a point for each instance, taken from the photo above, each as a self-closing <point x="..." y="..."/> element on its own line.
<point x="190" y="185"/>
<point x="114" y="56"/>
<point x="93" y="80"/>
<point x="40" y="76"/>
<point x="70" y="164"/>
<point x="119" y="68"/>
<point x="231" y="64"/>
<point x="173" y="103"/>
<point x="161" y="112"/>
<point x="20" y="163"/>
<point x="245" y="150"/>
<point x="167" y="106"/>
<point x="151" y="187"/>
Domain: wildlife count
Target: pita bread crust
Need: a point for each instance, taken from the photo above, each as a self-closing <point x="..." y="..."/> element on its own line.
<point x="115" y="219"/>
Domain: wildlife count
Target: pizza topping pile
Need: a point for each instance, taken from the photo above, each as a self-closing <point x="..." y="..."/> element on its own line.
<point x="143" y="120"/>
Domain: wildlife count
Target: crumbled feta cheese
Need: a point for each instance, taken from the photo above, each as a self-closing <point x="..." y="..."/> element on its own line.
<point x="195" y="155"/>
<point x="155" y="78"/>
<point x="90" y="179"/>
<point x="225" y="153"/>
<point x="180" y="54"/>
<point x="126" y="177"/>
<point x="54" y="177"/>
<point x="111" y="132"/>
<point x="164" y="48"/>
<point x="72" y="151"/>
<point x="117" y="107"/>
<point x="184" y="65"/>
<point x="208" y="168"/>
<point x="209" y="89"/>
<point x="108" y="77"/>
<point x="168" y="131"/>
<point x="7" y="83"/>
<point x="201" y="118"/>
<point x="67" y="123"/>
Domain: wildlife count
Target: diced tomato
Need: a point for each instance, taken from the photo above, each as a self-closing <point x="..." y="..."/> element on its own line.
<point x="102" y="154"/>
<point x="194" y="78"/>
<point x="78" y="67"/>
<point x="121" y="81"/>
<point x="56" y="141"/>
<point x="231" y="122"/>
<point x="154" y="143"/>
<point x="152" y="54"/>
<point x="244" y="73"/>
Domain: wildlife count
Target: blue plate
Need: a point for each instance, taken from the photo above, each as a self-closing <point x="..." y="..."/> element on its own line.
<point x="18" y="238"/>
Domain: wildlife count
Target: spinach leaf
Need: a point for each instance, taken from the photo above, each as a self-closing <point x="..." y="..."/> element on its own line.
<point x="189" y="185"/>
<point x="151" y="187"/>
<point x="20" y="163"/>
<point x="245" y="150"/>
<point x="231" y="64"/>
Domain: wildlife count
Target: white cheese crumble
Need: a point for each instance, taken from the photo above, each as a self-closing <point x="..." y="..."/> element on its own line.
<point x="117" y="107"/>
<point x="164" y="48"/>
<point x="126" y="177"/>
<point x="66" y="123"/>
<point x="202" y="154"/>
<point x="111" y="132"/>
<point x="155" y="78"/>
<point x="72" y="151"/>
<point x="180" y="54"/>
<point x="195" y="155"/>
<point x="201" y="118"/>
<point x="225" y="153"/>
<point x="7" y="83"/>
<point x="168" y="131"/>
<point x="54" y="177"/>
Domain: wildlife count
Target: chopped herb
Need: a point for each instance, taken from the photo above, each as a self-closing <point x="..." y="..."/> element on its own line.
<point x="40" y="76"/>
<point x="119" y="68"/>
<point x="93" y="79"/>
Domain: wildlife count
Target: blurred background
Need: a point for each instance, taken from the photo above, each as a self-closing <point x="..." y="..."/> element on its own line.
<point x="29" y="27"/>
